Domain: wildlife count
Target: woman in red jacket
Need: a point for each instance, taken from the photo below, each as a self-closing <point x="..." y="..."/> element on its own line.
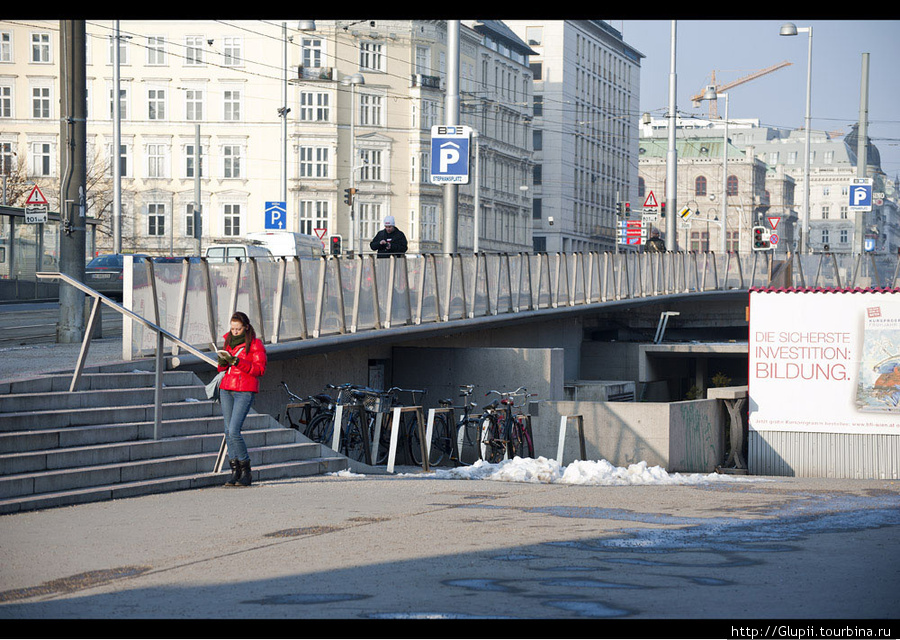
<point x="245" y="363"/>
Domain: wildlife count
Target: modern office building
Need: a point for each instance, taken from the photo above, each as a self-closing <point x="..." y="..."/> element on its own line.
<point x="586" y="118"/>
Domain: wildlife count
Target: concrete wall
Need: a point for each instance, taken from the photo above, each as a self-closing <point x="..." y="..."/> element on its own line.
<point x="443" y="369"/>
<point x="680" y="436"/>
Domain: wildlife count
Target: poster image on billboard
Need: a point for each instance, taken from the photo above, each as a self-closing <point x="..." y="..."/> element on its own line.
<point x="878" y="389"/>
<point x="824" y="361"/>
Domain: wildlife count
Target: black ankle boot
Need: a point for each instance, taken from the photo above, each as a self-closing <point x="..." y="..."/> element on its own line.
<point x="235" y="472"/>
<point x="246" y="476"/>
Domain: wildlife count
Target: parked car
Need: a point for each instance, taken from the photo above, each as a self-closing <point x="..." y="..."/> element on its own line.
<point x="104" y="274"/>
<point x="228" y="252"/>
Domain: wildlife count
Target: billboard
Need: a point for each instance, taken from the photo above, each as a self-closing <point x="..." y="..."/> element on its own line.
<point x="824" y="361"/>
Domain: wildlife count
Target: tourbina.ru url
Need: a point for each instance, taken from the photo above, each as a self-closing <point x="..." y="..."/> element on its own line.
<point x="810" y="631"/>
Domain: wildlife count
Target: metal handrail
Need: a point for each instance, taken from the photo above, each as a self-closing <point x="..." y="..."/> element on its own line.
<point x="89" y="330"/>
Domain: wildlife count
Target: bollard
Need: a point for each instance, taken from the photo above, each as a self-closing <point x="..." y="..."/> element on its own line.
<point x="562" y="437"/>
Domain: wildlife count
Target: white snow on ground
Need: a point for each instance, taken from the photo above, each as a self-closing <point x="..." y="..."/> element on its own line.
<point x="584" y="472"/>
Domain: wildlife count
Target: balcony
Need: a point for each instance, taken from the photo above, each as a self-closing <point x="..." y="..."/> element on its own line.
<point x="427" y="82"/>
<point x="315" y="73"/>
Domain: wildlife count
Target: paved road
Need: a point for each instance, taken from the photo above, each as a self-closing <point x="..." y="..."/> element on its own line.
<point x="413" y="546"/>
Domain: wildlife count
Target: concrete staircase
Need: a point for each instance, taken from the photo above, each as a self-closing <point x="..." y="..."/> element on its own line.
<point x="59" y="448"/>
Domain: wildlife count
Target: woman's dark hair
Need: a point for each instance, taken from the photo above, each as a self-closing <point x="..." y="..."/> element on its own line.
<point x="249" y="332"/>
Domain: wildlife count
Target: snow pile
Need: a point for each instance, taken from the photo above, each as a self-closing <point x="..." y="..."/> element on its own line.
<point x="584" y="472"/>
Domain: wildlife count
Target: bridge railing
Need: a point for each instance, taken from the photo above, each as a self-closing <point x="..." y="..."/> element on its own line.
<point x="308" y="298"/>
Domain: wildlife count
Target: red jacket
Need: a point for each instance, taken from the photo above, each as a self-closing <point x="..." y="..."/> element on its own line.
<point x="244" y="375"/>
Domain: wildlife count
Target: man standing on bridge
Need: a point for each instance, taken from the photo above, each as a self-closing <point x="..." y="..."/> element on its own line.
<point x="389" y="241"/>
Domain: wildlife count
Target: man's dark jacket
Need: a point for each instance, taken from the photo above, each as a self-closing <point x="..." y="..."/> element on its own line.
<point x="397" y="242"/>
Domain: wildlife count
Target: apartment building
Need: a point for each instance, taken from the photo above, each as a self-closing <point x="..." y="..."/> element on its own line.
<point x="586" y="116"/>
<point x="361" y="97"/>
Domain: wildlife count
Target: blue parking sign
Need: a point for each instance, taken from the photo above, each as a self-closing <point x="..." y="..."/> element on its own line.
<point x="861" y="195"/>
<point x="450" y="154"/>
<point x="276" y="215"/>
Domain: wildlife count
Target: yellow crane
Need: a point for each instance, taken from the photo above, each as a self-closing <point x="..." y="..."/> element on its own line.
<point x="713" y="112"/>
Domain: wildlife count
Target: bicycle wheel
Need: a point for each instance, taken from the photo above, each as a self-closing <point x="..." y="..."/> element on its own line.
<point x="353" y="444"/>
<point x="492" y="445"/>
<point x="320" y="428"/>
<point x="440" y="441"/>
<point x="384" y="438"/>
<point x="520" y="443"/>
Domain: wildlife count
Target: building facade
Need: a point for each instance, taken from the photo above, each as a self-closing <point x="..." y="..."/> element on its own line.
<point x="361" y="98"/>
<point x="587" y="94"/>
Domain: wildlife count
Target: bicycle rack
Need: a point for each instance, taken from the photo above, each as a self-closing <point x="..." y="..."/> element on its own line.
<point x="395" y="429"/>
<point x="454" y="455"/>
<point x="338" y="421"/>
<point x="563" y="422"/>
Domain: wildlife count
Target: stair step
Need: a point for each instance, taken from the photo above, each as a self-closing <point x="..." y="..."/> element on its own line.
<point x="261" y="473"/>
<point x="100" y="398"/>
<point x="54" y="419"/>
<point x="98" y="474"/>
<point x="96" y="381"/>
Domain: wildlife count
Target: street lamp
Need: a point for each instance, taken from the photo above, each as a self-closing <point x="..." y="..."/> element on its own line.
<point x="352" y="81"/>
<point x="712" y="94"/>
<point x="790" y="29"/>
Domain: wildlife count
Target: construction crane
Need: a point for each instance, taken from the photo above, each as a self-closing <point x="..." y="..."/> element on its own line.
<point x="713" y="111"/>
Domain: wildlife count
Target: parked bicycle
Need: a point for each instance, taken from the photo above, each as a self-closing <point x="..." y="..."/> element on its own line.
<point x="504" y="431"/>
<point x="355" y="441"/>
<point x="409" y="427"/>
<point x="311" y="408"/>
<point x="466" y="431"/>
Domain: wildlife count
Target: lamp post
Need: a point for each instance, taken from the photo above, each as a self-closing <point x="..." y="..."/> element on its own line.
<point x="790" y="29"/>
<point x="352" y="81"/>
<point x="712" y="94"/>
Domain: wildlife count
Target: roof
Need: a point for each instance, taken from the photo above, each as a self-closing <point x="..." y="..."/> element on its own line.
<point x="691" y="147"/>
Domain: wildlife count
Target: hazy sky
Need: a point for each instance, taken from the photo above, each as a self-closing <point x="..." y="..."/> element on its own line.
<point x="735" y="48"/>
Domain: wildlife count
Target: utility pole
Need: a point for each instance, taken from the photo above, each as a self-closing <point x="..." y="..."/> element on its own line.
<point x="198" y="217"/>
<point x="862" y="148"/>
<point x="73" y="160"/>
<point x="451" y="117"/>
<point x="671" y="155"/>
<point x="117" y="143"/>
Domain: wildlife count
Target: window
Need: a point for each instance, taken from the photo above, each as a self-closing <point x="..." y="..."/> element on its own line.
<point x="40" y="102"/>
<point x="824" y="236"/>
<point x="825" y="212"/>
<point x="7" y="158"/>
<point x="123" y="50"/>
<point x="156" y="161"/>
<point x="538" y="106"/>
<point x="189" y="221"/>
<point x="156" y="104"/>
<point x="732" y="185"/>
<point x="40" y="47"/>
<point x="732" y="240"/>
<point x="792" y="157"/>
<point x="231" y="51"/>
<point x="369" y="219"/>
<point x="537" y="206"/>
<point x="700" y="186"/>
<point x="371" y="56"/>
<point x="123" y="159"/>
<point x="190" y="160"/>
<point x="40" y="158"/>
<point x="371" y="169"/>
<point x="313" y="162"/>
<point x="536" y="71"/>
<point x="6" y="101"/>
<point x="123" y="103"/>
<point x="423" y="60"/>
<point x="537" y="175"/>
<point x="193" y="50"/>
<point x="156" y="219"/>
<point x="428" y="228"/>
<point x="370" y="110"/>
<point x="314" y="106"/>
<point x="231" y="219"/>
<point x="642" y="187"/>
<point x="537" y="140"/>
<point x="843" y="212"/>
<point x="826" y="190"/>
<point x="425" y="163"/>
<point x="699" y="241"/>
<point x="534" y="36"/>
<point x="844" y="236"/>
<point x="156" y="50"/>
<point x="828" y="157"/>
<point x="193" y="104"/>
<point x="6" y="46"/>
<point x="313" y="215"/>
<point x="773" y="157"/>
<point x="231" y="156"/>
<point x="232" y="98"/>
<point x="311" y="52"/>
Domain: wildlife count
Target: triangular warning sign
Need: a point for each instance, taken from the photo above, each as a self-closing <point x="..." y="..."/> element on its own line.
<point x="651" y="201"/>
<point x="35" y="197"/>
<point x="774" y="222"/>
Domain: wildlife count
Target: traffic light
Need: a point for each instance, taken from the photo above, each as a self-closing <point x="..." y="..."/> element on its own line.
<point x="348" y="196"/>
<point x="662" y="209"/>
<point x="335" y="245"/>
<point x="760" y="239"/>
<point x="620" y="208"/>
<point x="627" y="208"/>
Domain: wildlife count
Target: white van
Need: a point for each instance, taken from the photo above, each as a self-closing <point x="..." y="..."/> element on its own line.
<point x="228" y="252"/>
<point x="288" y="243"/>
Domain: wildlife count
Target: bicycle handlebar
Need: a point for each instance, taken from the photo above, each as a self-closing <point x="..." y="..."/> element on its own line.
<point x="508" y="393"/>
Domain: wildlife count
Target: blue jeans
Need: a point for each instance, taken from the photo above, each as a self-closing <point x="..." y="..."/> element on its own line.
<point x="235" y="407"/>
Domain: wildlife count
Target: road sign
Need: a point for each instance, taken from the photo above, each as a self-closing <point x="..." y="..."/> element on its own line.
<point x="631" y="232"/>
<point x="686" y="213"/>
<point x="276" y="215"/>
<point x="650" y="201"/>
<point x="36" y="214"/>
<point x="773" y="238"/>
<point x="450" y="154"/>
<point x="861" y="194"/>
<point x="773" y="221"/>
<point x="320" y="232"/>
<point x="36" y="197"/>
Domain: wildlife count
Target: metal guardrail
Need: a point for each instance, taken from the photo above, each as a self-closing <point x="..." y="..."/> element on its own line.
<point x="160" y="335"/>
<point x="307" y="298"/>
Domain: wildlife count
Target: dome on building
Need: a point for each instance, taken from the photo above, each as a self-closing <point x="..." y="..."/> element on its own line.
<point x="873" y="158"/>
